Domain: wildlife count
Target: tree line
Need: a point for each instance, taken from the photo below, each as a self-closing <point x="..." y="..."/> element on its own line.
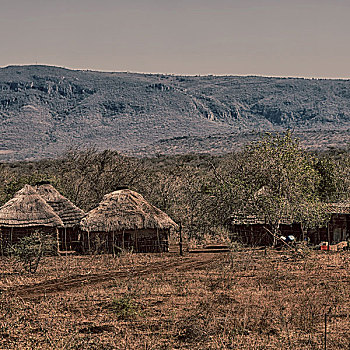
<point x="274" y="178"/>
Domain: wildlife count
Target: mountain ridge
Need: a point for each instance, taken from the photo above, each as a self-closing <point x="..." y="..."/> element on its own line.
<point x="45" y="110"/>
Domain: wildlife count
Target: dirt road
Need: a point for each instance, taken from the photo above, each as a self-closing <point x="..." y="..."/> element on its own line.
<point x="72" y="282"/>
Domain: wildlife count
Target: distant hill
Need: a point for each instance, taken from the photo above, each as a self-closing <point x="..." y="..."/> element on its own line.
<point x="45" y="110"/>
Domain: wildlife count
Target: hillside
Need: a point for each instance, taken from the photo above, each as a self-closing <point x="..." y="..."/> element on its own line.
<point x="45" y="110"/>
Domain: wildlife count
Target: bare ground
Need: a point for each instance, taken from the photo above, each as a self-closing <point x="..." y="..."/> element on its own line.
<point x="250" y="299"/>
<point x="76" y="281"/>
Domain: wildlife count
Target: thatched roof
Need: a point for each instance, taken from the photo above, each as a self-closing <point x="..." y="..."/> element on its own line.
<point x="125" y="210"/>
<point x="69" y="213"/>
<point x="27" y="209"/>
<point x="338" y="208"/>
<point x="240" y="218"/>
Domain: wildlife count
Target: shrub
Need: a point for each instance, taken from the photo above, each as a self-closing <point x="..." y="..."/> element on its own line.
<point x="30" y="249"/>
<point x="125" y="307"/>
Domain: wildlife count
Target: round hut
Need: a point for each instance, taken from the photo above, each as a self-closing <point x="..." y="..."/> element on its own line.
<point x="69" y="213"/>
<point x="24" y="214"/>
<point x="125" y="220"/>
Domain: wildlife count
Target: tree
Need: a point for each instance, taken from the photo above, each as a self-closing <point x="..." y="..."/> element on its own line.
<point x="275" y="179"/>
<point x="181" y="189"/>
<point x="86" y="176"/>
<point x="327" y="187"/>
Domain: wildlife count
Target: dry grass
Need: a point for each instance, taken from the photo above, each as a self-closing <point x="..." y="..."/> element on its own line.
<point x="241" y="300"/>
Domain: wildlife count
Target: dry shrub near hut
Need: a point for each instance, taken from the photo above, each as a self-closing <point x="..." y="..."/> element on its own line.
<point x="125" y="220"/>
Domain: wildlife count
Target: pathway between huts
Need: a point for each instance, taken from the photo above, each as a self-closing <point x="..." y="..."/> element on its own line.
<point x="73" y="282"/>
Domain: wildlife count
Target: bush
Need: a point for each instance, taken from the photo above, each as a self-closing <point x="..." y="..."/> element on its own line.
<point x="125" y="307"/>
<point x="30" y="249"/>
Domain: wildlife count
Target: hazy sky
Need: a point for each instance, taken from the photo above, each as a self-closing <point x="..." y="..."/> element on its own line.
<point x="260" y="37"/>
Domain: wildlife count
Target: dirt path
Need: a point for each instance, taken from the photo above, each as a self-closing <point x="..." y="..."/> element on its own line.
<point x="73" y="282"/>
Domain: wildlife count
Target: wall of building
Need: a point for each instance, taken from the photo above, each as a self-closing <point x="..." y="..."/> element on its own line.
<point x="338" y="230"/>
<point x="256" y="234"/>
<point x="12" y="235"/>
<point x="142" y="241"/>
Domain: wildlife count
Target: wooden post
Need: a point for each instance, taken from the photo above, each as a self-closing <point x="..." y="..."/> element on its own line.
<point x="136" y="242"/>
<point x="89" y="244"/>
<point x="167" y="240"/>
<point x="58" y="241"/>
<point x="180" y="239"/>
<point x="65" y="240"/>
<point x="302" y="233"/>
<point x="123" y="240"/>
<point x="329" y="237"/>
<point x="113" y="245"/>
<point x="325" y="330"/>
<point x="252" y="238"/>
<point x="158" y="240"/>
<point x="281" y="240"/>
<point x="1" y="242"/>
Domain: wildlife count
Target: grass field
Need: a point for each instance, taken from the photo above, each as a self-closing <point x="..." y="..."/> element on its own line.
<point x="250" y="299"/>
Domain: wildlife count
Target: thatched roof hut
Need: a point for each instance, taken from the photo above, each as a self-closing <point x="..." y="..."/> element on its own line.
<point x="28" y="209"/>
<point x="251" y="229"/>
<point x="69" y="213"/>
<point x="125" y="210"/>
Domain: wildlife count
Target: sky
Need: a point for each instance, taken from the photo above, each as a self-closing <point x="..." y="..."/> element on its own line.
<point x="308" y="38"/>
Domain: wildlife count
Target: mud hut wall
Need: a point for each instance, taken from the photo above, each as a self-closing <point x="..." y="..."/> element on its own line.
<point x="12" y="235"/>
<point x="252" y="235"/>
<point x="69" y="238"/>
<point x="142" y="241"/>
<point x="339" y="227"/>
<point x="317" y="235"/>
<point x="347" y="227"/>
<point x="256" y="234"/>
<point x="339" y="230"/>
<point x="151" y="240"/>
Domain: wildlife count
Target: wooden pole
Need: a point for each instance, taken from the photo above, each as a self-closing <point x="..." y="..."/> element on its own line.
<point x="58" y="240"/>
<point x="89" y="244"/>
<point x="325" y="330"/>
<point x="113" y="245"/>
<point x="180" y="239"/>
<point x="167" y="240"/>
<point x="136" y="242"/>
<point x="1" y="242"/>
<point x="65" y="240"/>
<point x="281" y="240"/>
<point x="302" y="233"/>
<point x="328" y="237"/>
<point x="159" y="248"/>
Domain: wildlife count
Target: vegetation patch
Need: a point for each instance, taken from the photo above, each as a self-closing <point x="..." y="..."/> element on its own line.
<point x="125" y="307"/>
<point x="30" y="250"/>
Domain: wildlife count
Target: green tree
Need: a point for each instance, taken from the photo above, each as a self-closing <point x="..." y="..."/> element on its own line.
<point x="327" y="187"/>
<point x="275" y="179"/>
